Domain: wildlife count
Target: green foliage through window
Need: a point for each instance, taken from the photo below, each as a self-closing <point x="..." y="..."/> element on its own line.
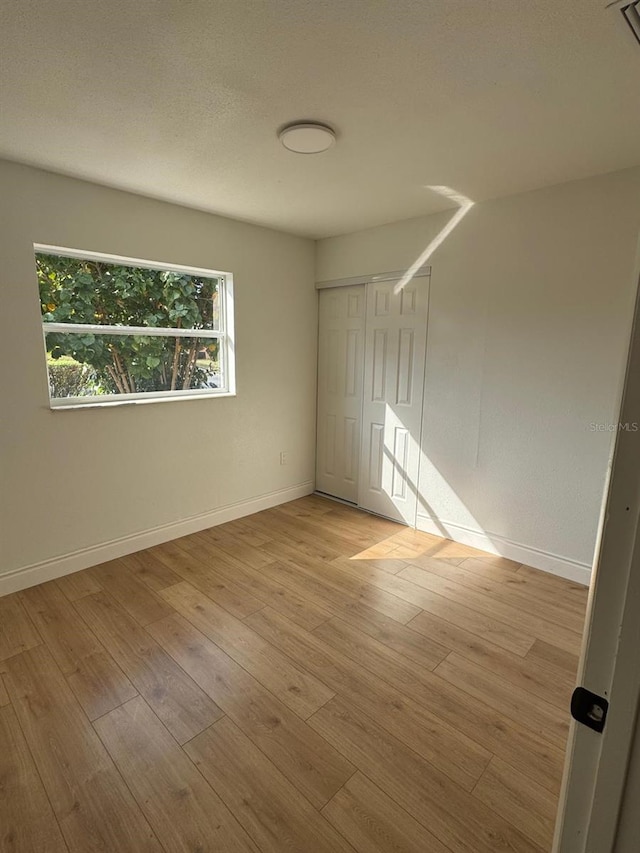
<point x="89" y="292"/>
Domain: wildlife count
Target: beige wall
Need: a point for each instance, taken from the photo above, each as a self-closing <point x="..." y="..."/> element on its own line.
<point x="530" y="311"/>
<point x="75" y="479"/>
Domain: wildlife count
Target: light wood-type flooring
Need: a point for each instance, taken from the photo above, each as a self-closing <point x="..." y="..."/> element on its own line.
<point x="310" y="678"/>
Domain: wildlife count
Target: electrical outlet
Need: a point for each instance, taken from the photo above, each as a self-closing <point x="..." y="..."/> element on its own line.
<point x="284" y="458"/>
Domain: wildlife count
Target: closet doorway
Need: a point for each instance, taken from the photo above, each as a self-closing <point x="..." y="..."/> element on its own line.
<point x="371" y="362"/>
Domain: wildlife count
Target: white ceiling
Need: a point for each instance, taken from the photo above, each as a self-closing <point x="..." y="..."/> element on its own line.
<point x="181" y="100"/>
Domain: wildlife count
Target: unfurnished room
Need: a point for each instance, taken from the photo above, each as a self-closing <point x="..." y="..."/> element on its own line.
<point x="320" y="426"/>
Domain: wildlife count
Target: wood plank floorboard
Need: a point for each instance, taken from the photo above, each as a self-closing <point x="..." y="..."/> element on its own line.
<point x="414" y="647"/>
<point x="241" y="775"/>
<point x="97" y="681"/>
<point x="557" y="604"/>
<point x="458" y="819"/>
<point x="497" y="732"/>
<point x="540" y="583"/>
<point x="183" y="707"/>
<point x="346" y="537"/>
<point x="287" y="533"/>
<point x="527" y="709"/>
<point x="310" y="678"/>
<point x="244" y="533"/>
<point x="551" y="656"/>
<point x="134" y="596"/>
<point x="184" y="811"/>
<point x="187" y="558"/>
<point x="308" y="762"/>
<point x="517" y="616"/>
<point x="298" y="689"/>
<point x="329" y="596"/>
<point x="4" y="696"/>
<point x="150" y="570"/>
<point x="232" y="546"/>
<point x="462" y="758"/>
<point x="92" y="803"/>
<point x="548" y="580"/>
<point x="450" y="607"/>
<point x="538" y="678"/>
<point x="334" y="582"/>
<point x="27" y="822"/>
<point x="373" y="823"/>
<point x="511" y="794"/>
<point x="17" y="633"/>
<point x="255" y="584"/>
<point x="78" y="584"/>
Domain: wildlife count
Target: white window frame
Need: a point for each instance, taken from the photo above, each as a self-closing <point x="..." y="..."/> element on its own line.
<point x="225" y="333"/>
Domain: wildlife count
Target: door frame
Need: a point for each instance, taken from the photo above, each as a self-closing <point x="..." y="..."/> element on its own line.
<point x="323" y="394"/>
<point x="596" y="764"/>
<point x="396" y="275"/>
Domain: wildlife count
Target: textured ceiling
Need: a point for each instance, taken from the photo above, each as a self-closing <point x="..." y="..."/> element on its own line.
<point x="181" y="100"/>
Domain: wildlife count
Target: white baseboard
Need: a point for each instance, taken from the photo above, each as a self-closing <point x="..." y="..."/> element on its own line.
<point x="493" y="544"/>
<point x="95" y="554"/>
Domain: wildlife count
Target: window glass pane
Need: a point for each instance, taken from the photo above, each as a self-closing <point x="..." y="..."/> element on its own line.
<point x="82" y="365"/>
<point x="73" y="290"/>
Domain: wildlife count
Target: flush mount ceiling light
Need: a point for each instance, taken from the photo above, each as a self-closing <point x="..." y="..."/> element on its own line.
<point x="307" y="137"/>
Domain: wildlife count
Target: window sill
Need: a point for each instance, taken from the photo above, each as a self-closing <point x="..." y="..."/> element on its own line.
<point x="141" y="402"/>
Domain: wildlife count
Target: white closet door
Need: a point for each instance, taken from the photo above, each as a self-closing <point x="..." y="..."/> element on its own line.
<point x="395" y="341"/>
<point x="340" y="369"/>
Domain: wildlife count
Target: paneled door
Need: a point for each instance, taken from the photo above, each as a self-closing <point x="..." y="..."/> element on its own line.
<point x="395" y="342"/>
<point x="340" y="374"/>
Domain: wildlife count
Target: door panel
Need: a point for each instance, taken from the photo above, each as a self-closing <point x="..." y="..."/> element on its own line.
<point x="395" y="341"/>
<point x="340" y="370"/>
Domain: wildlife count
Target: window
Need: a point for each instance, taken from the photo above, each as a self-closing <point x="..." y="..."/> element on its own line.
<point x="118" y="330"/>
